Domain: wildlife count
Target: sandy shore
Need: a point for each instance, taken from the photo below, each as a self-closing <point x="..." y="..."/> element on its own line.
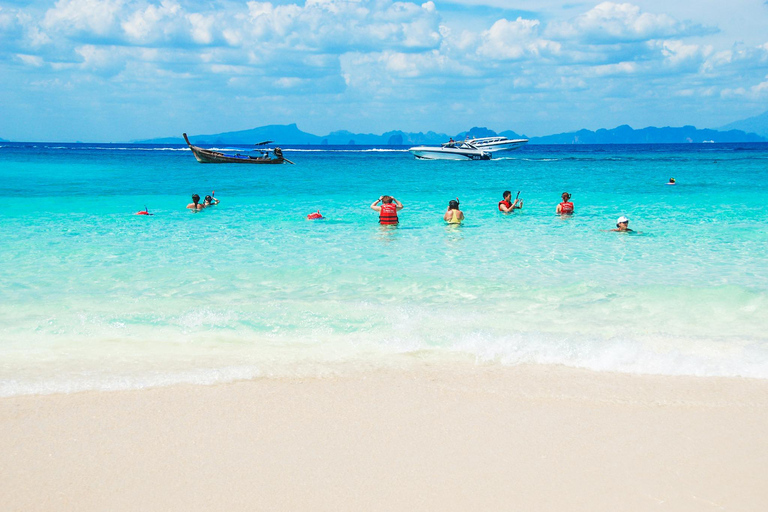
<point x="449" y="437"/>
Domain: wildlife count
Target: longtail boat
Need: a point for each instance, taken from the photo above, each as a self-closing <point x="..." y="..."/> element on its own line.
<point x="207" y="156"/>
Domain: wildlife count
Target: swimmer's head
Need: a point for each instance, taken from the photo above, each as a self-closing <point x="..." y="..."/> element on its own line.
<point x="671" y="180"/>
<point x="195" y="198"/>
<point x="453" y="204"/>
<point x="208" y="199"/>
<point x="386" y="199"/>
<point x="507" y="194"/>
<point x="566" y="196"/>
<point x="622" y="220"/>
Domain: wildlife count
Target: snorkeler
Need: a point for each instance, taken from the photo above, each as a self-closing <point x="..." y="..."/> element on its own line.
<point x="506" y="205"/>
<point x="453" y="215"/>
<point x="622" y="224"/>
<point x="566" y="207"/>
<point x="211" y="200"/>
<point x="671" y="181"/>
<point x="388" y="210"/>
<point x="195" y="204"/>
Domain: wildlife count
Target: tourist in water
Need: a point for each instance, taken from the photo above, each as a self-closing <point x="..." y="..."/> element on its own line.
<point x="566" y="207"/>
<point x="506" y="205"/>
<point x="195" y="204"/>
<point x="453" y="215"/>
<point x="210" y="201"/>
<point x="622" y="224"/>
<point x="671" y="181"/>
<point x="388" y="210"/>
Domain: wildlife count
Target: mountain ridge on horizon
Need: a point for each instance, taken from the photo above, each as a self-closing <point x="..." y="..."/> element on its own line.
<point x="624" y="134"/>
<point x="752" y="129"/>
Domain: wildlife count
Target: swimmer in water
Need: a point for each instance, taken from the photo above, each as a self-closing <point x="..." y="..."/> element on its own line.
<point x="507" y="206"/>
<point x="210" y="201"/>
<point x="622" y="225"/>
<point x="671" y="181"/>
<point x="388" y="210"/>
<point x="453" y="215"/>
<point x="566" y="207"/>
<point x="195" y="204"/>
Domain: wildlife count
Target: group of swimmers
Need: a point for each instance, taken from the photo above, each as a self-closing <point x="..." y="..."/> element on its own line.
<point x="208" y="201"/>
<point x="390" y="206"/>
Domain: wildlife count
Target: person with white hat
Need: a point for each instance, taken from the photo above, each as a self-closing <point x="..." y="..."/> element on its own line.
<point x="622" y="224"/>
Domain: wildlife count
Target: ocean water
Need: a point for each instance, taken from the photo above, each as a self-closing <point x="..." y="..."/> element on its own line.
<point x="96" y="297"/>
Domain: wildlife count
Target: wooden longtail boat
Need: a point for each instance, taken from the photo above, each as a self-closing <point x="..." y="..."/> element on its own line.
<point x="207" y="156"/>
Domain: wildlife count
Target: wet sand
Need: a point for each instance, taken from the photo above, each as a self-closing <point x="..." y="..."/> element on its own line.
<point x="426" y="437"/>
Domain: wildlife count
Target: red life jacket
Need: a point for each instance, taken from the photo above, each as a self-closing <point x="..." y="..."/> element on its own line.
<point x="505" y="203"/>
<point x="388" y="214"/>
<point x="566" y="207"/>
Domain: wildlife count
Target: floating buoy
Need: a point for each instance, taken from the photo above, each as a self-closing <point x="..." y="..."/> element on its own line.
<point x="315" y="216"/>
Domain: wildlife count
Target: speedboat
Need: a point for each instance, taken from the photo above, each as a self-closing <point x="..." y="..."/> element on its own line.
<point x="451" y="151"/>
<point x="475" y="149"/>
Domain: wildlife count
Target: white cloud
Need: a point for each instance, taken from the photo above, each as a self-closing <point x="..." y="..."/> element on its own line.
<point x="510" y="40"/>
<point x="30" y="60"/>
<point x="609" y="22"/>
<point x="97" y="17"/>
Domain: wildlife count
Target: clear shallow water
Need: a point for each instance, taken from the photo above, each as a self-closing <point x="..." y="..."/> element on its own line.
<point x="95" y="297"/>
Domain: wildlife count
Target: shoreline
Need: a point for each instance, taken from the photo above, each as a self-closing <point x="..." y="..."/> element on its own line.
<point x="449" y="436"/>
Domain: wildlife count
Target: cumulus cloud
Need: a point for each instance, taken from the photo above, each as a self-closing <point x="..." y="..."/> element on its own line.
<point x="609" y="23"/>
<point x="97" y="17"/>
<point x="511" y="40"/>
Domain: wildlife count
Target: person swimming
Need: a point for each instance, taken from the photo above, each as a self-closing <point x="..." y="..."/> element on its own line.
<point x="671" y="181"/>
<point x="566" y="207"/>
<point x="453" y="215"/>
<point x="195" y="204"/>
<point x="506" y="205"/>
<point x="622" y="225"/>
<point x="210" y="201"/>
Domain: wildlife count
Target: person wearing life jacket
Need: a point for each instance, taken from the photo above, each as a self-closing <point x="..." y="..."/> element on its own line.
<point x="453" y="215"/>
<point x="388" y="209"/>
<point x="195" y="204"/>
<point x="506" y="205"/>
<point x="566" y="207"/>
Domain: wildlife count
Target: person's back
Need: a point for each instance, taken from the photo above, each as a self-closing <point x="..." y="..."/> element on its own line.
<point x="195" y="204"/>
<point x="453" y="215"/>
<point x="566" y="207"/>
<point x="388" y="210"/>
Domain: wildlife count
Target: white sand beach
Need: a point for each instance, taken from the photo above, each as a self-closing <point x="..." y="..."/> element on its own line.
<point x="428" y="437"/>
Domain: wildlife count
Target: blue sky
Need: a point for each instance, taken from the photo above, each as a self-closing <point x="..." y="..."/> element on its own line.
<point x="115" y="70"/>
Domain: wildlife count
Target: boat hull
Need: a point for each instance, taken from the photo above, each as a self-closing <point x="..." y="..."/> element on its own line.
<point x="206" y="156"/>
<point x="434" y="153"/>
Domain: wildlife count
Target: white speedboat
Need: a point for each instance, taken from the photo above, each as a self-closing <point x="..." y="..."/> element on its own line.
<point x="474" y="149"/>
<point x="451" y="151"/>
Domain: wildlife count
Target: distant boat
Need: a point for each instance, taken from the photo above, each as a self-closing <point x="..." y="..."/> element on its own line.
<point x="207" y="156"/>
<point x="474" y="149"/>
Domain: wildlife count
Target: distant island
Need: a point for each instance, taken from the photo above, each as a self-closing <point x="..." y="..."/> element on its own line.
<point x="291" y="134"/>
<point x="757" y="124"/>
<point x="753" y="129"/>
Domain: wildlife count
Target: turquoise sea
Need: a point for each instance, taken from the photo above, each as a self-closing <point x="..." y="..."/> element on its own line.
<point x="96" y="297"/>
